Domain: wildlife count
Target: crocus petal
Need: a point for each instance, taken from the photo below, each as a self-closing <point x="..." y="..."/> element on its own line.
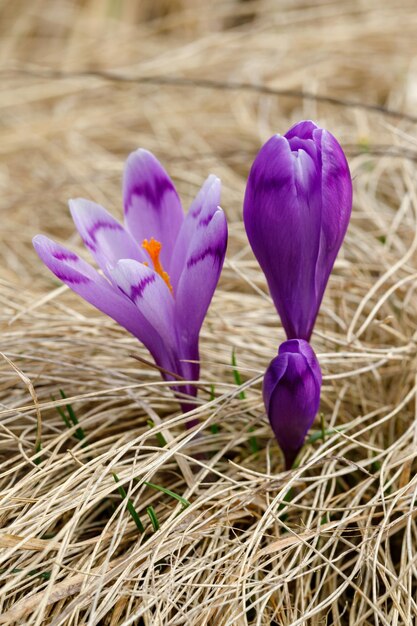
<point x="275" y="371"/>
<point x="87" y="282"/>
<point x="200" y="276"/>
<point x="336" y="205"/>
<point x="297" y="208"/>
<point x="200" y="213"/>
<point x="292" y="395"/>
<point x="282" y="217"/>
<point x="147" y="290"/>
<point x="151" y="203"/>
<point x="103" y="235"/>
<point x="301" y="130"/>
<point x="150" y="295"/>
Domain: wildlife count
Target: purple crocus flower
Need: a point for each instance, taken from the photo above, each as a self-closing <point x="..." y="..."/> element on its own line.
<point x="160" y="269"/>
<point x="296" y="211"/>
<point x="291" y="391"/>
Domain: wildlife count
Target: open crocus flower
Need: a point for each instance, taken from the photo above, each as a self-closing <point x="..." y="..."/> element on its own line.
<point x="291" y="391"/>
<point x="297" y="207"/>
<point x="160" y="269"/>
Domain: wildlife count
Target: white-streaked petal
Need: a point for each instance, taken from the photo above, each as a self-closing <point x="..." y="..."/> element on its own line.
<point x="202" y="209"/>
<point x="103" y="235"/>
<point x="151" y="203"/>
<point x="200" y="276"/>
<point x="149" y="293"/>
<point x="95" y="289"/>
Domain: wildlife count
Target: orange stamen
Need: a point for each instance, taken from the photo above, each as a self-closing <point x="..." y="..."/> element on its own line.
<point x="153" y="248"/>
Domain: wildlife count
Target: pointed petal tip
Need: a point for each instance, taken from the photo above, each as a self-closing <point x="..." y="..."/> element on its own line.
<point x="213" y="180"/>
<point x="48" y="248"/>
<point x="303" y="129"/>
<point x="212" y="185"/>
<point x="65" y="264"/>
<point x="79" y="209"/>
<point x="144" y="158"/>
<point x="218" y="229"/>
<point x="206" y="201"/>
<point x="43" y="247"/>
<point x="37" y="240"/>
<point x="141" y="155"/>
<point x="77" y="204"/>
<point x="219" y="214"/>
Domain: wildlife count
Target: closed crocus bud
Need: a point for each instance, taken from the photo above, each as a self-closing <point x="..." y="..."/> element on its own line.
<point x="291" y="391"/>
<point x="297" y="207"/>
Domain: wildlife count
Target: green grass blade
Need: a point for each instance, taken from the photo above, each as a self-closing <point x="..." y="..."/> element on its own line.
<point x="236" y="375"/>
<point x="79" y="432"/>
<point x="168" y="492"/>
<point x="34" y="572"/>
<point x="320" y="433"/>
<point x="162" y="442"/>
<point x="62" y="414"/>
<point x="130" y="507"/>
<point x="38" y="448"/>
<point x="152" y="516"/>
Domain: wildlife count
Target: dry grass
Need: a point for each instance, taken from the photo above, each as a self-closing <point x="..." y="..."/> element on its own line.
<point x="332" y="542"/>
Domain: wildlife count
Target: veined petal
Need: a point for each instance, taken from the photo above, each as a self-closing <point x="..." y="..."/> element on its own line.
<point x="150" y="295"/>
<point x="103" y="235"/>
<point x="200" y="276"/>
<point x="336" y="185"/>
<point x="199" y="214"/>
<point x="87" y="282"/>
<point x="151" y="203"/>
<point x="282" y="215"/>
